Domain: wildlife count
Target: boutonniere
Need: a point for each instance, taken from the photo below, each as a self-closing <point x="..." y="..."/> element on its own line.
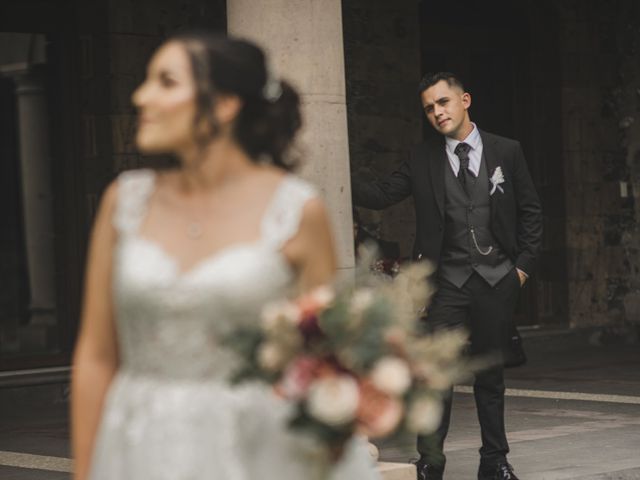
<point x="496" y="179"/>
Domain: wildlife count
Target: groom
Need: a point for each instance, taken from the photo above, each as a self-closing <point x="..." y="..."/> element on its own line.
<point x="478" y="218"/>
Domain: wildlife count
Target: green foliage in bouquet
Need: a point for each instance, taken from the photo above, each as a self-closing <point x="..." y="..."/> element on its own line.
<point x="351" y="357"/>
<point x="245" y="342"/>
<point x="357" y="338"/>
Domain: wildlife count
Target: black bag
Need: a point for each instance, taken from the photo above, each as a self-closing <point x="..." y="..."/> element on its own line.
<point x="514" y="355"/>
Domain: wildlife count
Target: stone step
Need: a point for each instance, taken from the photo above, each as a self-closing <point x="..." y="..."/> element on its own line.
<point x="397" y="471"/>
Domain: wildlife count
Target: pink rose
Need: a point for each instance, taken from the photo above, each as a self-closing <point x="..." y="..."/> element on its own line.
<point x="298" y="377"/>
<point x="378" y="414"/>
<point x="315" y="301"/>
<point x="310" y="306"/>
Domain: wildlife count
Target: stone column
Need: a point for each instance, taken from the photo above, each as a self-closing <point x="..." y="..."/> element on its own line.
<point x="303" y="39"/>
<point x="37" y="195"/>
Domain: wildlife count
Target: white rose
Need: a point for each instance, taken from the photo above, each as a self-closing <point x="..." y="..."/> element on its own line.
<point x="270" y="357"/>
<point x="361" y="300"/>
<point x="424" y="415"/>
<point x="391" y="375"/>
<point x="274" y="315"/>
<point x="334" y="400"/>
<point x="323" y="296"/>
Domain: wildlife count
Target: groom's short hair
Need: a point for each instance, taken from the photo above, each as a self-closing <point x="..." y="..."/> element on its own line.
<point x="430" y="79"/>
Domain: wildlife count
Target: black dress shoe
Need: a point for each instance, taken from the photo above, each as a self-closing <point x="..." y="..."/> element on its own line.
<point x="502" y="471"/>
<point x="426" y="471"/>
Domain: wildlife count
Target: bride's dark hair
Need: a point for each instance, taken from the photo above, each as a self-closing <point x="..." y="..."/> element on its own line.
<point x="270" y="114"/>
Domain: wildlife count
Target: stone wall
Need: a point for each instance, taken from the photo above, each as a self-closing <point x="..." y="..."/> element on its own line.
<point x="382" y="59"/>
<point x="628" y="114"/>
<point x="541" y="136"/>
<point x="601" y="152"/>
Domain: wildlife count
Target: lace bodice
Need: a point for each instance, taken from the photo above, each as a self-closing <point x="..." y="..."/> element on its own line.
<point x="171" y="413"/>
<point x="170" y="322"/>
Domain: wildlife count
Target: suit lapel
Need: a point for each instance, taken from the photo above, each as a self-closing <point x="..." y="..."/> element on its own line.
<point x="437" y="157"/>
<point x="492" y="159"/>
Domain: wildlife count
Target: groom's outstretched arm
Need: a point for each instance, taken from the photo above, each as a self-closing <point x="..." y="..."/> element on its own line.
<point x="380" y="194"/>
<point x="529" y="215"/>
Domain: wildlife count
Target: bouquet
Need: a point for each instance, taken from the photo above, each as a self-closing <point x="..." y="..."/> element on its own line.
<point x="351" y="359"/>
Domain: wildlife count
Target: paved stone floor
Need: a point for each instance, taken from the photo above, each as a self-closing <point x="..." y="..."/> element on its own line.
<point x="573" y="412"/>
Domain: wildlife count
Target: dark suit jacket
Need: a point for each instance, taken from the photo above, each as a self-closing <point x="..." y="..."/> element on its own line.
<point x="516" y="218"/>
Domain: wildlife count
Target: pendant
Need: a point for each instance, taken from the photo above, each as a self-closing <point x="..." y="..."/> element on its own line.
<point x="194" y="230"/>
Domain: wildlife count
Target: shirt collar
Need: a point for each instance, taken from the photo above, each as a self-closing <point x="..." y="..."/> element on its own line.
<point x="473" y="140"/>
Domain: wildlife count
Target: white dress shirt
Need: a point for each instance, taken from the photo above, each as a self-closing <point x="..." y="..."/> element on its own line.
<point x="475" y="154"/>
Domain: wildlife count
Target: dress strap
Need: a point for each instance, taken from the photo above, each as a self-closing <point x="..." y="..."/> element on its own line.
<point x="282" y="219"/>
<point x="134" y="189"/>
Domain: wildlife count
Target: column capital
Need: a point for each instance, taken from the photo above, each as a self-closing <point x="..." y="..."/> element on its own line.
<point x="28" y="81"/>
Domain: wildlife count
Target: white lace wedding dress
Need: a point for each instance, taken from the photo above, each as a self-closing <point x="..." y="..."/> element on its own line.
<point x="170" y="413"/>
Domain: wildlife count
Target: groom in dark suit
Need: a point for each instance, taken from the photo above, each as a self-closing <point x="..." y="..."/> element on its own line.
<point x="478" y="218"/>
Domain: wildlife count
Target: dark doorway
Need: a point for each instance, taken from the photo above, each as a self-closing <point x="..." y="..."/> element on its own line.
<point x="39" y="304"/>
<point x="494" y="47"/>
<point x="92" y="57"/>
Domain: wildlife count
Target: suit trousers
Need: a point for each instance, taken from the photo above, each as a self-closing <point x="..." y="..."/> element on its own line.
<point x="485" y="312"/>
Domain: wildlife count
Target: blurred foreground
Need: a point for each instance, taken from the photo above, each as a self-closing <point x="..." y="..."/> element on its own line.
<point x="573" y="412"/>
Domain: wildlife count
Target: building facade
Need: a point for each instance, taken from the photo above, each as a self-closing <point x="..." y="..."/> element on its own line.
<point x="560" y="76"/>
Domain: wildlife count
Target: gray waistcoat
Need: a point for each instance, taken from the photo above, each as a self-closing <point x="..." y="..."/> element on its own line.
<point x="466" y="217"/>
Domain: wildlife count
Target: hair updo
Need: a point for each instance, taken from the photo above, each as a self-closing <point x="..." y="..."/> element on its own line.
<point x="270" y="114"/>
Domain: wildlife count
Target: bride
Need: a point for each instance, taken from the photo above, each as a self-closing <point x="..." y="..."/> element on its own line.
<point x="180" y="257"/>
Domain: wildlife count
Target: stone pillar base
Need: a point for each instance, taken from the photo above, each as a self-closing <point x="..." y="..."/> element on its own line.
<point x="42" y="316"/>
<point x="397" y="471"/>
<point x="37" y="338"/>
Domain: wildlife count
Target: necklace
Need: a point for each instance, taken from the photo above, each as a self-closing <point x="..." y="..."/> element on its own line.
<point x="194" y="230"/>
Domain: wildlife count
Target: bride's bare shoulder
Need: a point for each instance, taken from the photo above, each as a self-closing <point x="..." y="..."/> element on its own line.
<point x="270" y="174"/>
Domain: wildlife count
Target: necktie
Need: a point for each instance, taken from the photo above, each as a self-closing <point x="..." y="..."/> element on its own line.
<point x="462" y="151"/>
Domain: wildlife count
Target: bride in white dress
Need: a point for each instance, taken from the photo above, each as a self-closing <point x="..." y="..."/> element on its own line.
<point x="180" y="257"/>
